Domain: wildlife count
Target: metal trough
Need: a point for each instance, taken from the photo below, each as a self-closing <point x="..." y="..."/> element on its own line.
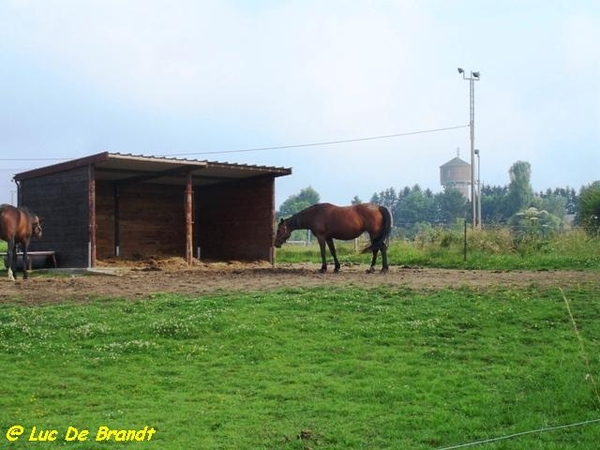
<point x="37" y="260"/>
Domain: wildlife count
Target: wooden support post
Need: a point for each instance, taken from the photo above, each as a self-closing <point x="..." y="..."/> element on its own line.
<point x="272" y="223"/>
<point x="189" y="221"/>
<point x="117" y="213"/>
<point x="92" y="216"/>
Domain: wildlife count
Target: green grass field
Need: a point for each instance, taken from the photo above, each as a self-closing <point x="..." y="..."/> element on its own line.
<point x="494" y="249"/>
<point x="306" y="369"/>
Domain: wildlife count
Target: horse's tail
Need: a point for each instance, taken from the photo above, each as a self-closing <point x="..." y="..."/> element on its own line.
<point x="378" y="242"/>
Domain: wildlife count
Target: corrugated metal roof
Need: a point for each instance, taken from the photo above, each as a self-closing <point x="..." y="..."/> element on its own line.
<point x="157" y="169"/>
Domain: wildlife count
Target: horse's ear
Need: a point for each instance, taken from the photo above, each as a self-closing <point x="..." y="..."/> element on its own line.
<point x="281" y="220"/>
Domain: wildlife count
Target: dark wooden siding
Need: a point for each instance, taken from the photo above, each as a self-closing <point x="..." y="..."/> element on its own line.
<point x="235" y="221"/>
<point x="151" y="220"/>
<point x="62" y="199"/>
<point x="105" y="219"/>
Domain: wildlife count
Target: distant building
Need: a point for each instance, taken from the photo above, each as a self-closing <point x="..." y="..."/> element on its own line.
<point x="456" y="173"/>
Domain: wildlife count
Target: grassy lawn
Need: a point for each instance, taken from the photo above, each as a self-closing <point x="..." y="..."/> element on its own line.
<point x="307" y="368"/>
<point x="496" y="249"/>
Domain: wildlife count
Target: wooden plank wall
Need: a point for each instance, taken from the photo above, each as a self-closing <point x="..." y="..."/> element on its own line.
<point x="151" y="220"/>
<point x="105" y="219"/>
<point x="62" y="200"/>
<point x="234" y="221"/>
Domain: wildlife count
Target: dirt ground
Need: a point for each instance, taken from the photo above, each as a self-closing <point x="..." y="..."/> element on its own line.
<point x="141" y="279"/>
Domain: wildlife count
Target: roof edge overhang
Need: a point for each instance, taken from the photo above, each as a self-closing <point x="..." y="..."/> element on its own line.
<point x="99" y="159"/>
<point x="60" y="167"/>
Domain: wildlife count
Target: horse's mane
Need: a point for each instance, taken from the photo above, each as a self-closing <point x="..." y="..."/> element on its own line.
<point x="310" y="208"/>
<point x="27" y="211"/>
<point x="296" y="221"/>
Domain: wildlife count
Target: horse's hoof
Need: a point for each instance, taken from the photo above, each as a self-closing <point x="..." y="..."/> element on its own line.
<point x="371" y="270"/>
<point x="323" y="270"/>
<point x="384" y="270"/>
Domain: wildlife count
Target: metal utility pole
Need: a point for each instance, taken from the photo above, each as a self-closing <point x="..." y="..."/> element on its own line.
<point x="474" y="77"/>
<point x="479" y="223"/>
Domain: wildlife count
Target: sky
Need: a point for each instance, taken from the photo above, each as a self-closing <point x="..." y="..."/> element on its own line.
<point x="219" y="79"/>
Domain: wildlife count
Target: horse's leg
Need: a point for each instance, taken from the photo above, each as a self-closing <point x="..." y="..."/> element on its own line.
<point x="373" y="261"/>
<point x="10" y="257"/>
<point x="25" y="261"/>
<point x="323" y="268"/>
<point x="331" y="246"/>
<point x="15" y="260"/>
<point x="384" y="262"/>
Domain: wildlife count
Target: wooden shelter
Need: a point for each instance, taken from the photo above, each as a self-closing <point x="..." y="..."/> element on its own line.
<point x="112" y="204"/>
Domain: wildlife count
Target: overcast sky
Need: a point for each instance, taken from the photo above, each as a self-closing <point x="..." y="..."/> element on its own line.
<point x="187" y="78"/>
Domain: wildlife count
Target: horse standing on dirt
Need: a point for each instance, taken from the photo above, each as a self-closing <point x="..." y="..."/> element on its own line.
<point x="17" y="226"/>
<point x="328" y="222"/>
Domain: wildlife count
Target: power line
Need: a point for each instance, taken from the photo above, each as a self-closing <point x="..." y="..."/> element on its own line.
<point x="315" y="144"/>
<point x="281" y="147"/>
<point x="34" y="159"/>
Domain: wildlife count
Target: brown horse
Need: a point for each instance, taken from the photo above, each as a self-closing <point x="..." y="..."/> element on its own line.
<point x="328" y="222"/>
<point x="17" y="225"/>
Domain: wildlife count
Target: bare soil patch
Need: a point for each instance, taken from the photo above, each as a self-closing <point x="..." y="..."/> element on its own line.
<point x="142" y="279"/>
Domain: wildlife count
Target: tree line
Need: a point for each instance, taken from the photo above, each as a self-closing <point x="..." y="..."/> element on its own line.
<point x="515" y="205"/>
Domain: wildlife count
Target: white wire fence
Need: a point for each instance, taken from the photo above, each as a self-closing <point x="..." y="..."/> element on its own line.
<point x="586" y="358"/>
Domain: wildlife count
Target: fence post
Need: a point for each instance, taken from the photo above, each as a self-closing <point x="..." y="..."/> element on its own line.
<point x="465" y="248"/>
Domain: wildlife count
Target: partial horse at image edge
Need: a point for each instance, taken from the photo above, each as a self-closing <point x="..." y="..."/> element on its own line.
<point x="328" y="222"/>
<point x="17" y="226"/>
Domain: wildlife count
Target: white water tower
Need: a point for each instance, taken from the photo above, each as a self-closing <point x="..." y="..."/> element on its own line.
<point x="456" y="173"/>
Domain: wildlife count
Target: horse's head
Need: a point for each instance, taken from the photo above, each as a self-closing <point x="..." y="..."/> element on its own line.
<point x="36" y="226"/>
<point x="283" y="233"/>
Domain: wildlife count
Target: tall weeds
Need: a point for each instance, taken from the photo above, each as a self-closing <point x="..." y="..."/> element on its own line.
<point x="499" y="248"/>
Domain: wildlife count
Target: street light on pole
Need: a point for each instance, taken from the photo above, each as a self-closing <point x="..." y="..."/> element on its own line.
<point x="474" y="77"/>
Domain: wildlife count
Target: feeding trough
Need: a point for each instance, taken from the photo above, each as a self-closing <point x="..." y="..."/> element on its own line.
<point x="37" y="260"/>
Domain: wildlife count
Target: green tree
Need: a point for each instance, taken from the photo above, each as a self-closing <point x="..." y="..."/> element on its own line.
<point x="297" y="202"/>
<point x="411" y="206"/>
<point x="387" y="198"/>
<point x="568" y="197"/>
<point x="572" y="199"/>
<point x="554" y="204"/>
<point x="450" y="205"/>
<point x="589" y="208"/>
<point x="520" y="192"/>
<point x="415" y="206"/>
<point x="492" y="204"/>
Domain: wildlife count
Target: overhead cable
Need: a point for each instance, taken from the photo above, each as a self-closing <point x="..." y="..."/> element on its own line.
<point x="315" y="144"/>
<point x="280" y="147"/>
